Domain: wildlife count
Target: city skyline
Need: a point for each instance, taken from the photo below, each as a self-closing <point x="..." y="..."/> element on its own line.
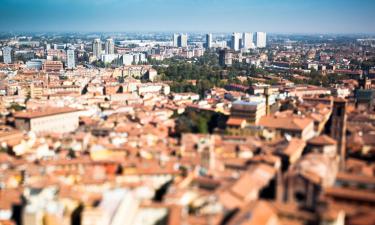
<point x="273" y="16"/>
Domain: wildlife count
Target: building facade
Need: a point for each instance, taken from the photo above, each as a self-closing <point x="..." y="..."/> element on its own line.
<point x="225" y="57"/>
<point x="236" y="41"/>
<point x="57" y="120"/>
<point x="70" y="59"/>
<point x="208" y="41"/>
<point x="247" y="40"/>
<point x="175" y="40"/>
<point x="261" y="39"/>
<point x="97" y="48"/>
<point x="109" y="46"/>
<point x="7" y="54"/>
<point x="182" y="40"/>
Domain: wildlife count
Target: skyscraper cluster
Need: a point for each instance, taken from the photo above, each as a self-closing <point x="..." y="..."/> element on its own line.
<point x="109" y="47"/>
<point x="248" y="40"/>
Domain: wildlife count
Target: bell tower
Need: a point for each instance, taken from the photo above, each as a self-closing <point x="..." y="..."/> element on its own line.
<point x="338" y="128"/>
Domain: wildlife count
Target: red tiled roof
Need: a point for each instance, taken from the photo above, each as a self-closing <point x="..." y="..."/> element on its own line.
<point x="43" y="112"/>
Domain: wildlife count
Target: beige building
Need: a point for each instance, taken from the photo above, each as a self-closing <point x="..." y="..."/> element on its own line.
<point x="251" y="111"/>
<point x="59" y="120"/>
<point x="292" y="125"/>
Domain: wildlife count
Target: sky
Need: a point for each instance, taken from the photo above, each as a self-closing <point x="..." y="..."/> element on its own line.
<point x="275" y="16"/>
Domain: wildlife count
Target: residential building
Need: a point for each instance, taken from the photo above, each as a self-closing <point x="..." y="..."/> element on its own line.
<point x="175" y="40"/>
<point x="59" y="120"/>
<point x="109" y="46"/>
<point x="251" y="111"/>
<point x="291" y="125"/>
<point x="70" y="58"/>
<point x="261" y="39"/>
<point x="225" y="57"/>
<point x="97" y="48"/>
<point x="182" y="40"/>
<point x="36" y="64"/>
<point x="208" y="41"/>
<point x="52" y="66"/>
<point x="7" y="54"/>
<point x="236" y="41"/>
<point x="247" y="40"/>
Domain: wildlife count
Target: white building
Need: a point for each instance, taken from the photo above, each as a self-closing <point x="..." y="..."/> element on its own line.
<point x="127" y="59"/>
<point x="208" y="41"/>
<point x="235" y="41"/>
<point x="247" y="40"/>
<point x="97" y="48"/>
<point x="261" y="39"/>
<point x="109" y="46"/>
<point x="219" y="44"/>
<point x="108" y="58"/>
<point x="7" y="54"/>
<point x="175" y="40"/>
<point x="70" y="58"/>
<point x="36" y="64"/>
<point x="58" y="120"/>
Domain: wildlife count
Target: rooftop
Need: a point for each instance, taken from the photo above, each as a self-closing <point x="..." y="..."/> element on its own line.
<point x="31" y="114"/>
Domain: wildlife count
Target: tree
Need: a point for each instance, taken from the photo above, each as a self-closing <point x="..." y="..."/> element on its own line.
<point x="202" y="125"/>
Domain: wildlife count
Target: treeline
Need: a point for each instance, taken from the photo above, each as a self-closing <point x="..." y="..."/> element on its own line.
<point x="200" y="74"/>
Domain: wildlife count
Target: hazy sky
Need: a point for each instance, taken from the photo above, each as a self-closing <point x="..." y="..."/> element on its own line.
<point x="279" y="16"/>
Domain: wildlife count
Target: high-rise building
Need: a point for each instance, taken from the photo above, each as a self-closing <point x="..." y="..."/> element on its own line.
<point x="175" y="40"/>
<point x="247" y="40"/>
<point x="225" y="57"/>
<point x="70" y="58"/>
<point x="97" y="48"/>
<point x="7" y="54"/>
<point x="261" y="39"/>
<point x="208" y="41"/>
<point x="235" y="41"/>
<point x="109" y="46"/>
<point x="182" y="41"/>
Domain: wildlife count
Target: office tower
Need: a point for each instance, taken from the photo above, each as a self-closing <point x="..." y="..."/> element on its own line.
<point x="225" y="57"/>
<point x="175" y="40"/>
<point x="261" y="39"/>
<point x="109" y="47"/>
<point x="208" y="41"/>
<point x="97" y="48"/>
<point x="70" y="58"/>
<point x="182" y="40"/>
<point x="235" y="41"/>
<point x="7" y="54"/>
<point x="247" y="40"/>
<point x="338" y="128"/>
